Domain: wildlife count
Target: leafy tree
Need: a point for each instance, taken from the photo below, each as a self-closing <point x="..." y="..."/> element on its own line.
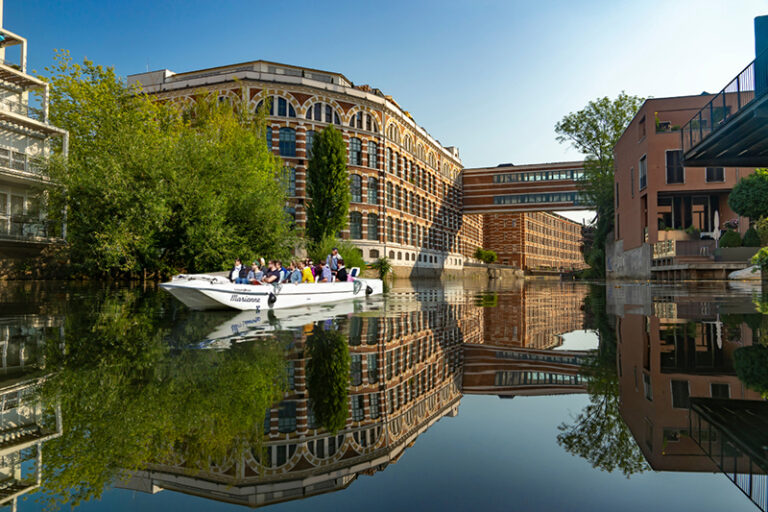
<point x="328" y="377"/>
<point x="128" y="399"/>
<point x="327" y="186"/>
<point x="749" y="198"/>
<point x="594" y="131"/>
<point x="486" y="256"/>
<point x="751" y="365"/>
<point x="350" y="252"/>
<point x="598" y="433"/>
<point x="152" y="187"/>
<point x="761" y="226"/>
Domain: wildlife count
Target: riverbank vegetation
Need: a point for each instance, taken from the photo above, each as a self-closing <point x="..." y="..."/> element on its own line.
<point x="594" y="131"/>
<point x="155" y="187"/>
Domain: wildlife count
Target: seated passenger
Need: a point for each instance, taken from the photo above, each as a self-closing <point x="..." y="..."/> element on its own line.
<point x="341" y="272"/>
<point x="238" y="273"/>
<point x="273" y="274"/>
<point x="282" y="270"/>
<point x="295" y="273"/>
<point x="255" y="274"/>
<point x="325" y="273"/>
<point x="306" y="273"/>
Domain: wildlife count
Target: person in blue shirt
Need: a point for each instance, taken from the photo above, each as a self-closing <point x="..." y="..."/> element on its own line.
<point x="295" y="273"/>
<point x="325" y="273"/>
<point x="255" y="274"/>
<point x="332" y="261"/>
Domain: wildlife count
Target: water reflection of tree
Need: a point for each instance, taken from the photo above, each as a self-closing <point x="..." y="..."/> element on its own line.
<point x="598" y="433"/>
<point x="128" y="399"/>
<point x="751" y="362"/>
<point x="328" y="377"/>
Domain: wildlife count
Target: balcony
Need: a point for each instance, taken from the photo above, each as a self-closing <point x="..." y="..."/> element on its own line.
<point x="26" y="230"/>
<point x="731" y="129"/>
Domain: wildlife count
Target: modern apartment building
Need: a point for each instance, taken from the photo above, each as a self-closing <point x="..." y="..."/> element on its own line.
<point x="657" y="198"/>
<point x="25" y="135"/>
<point x="405" y="185"/>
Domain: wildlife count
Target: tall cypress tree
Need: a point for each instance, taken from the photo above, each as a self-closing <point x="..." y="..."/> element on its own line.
<point x="327" y="185"/>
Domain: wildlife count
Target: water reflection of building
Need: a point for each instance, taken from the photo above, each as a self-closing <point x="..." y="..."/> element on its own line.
<point x="683" y="350"/>
<point x="410" y="365"/>
<point x="537" y="316"/>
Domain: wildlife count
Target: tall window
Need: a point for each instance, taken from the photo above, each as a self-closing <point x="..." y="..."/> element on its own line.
<point x="373" y="226"/>
<point x="389" y="195"/>
<point x="715" y="174"/>
<point x="268" y="136"/>
<point x="642" y="173"/>
<point x="373" y="191"/>
<point x="356" y="225"/>
<point x="310" y="141"/>
<point x="370" y="123"/>
<point x="356" y="121"/>
<point x="355" y="151"/>
<point x="675" y="173"/>
<point x="356" y="369"/>
<point x="393" y="133"/>
<point x="397" y="198"/>
<point x="390" y="230"/>
<point x="356" y="188"/>
<point x="373" y="368"/>
<point x="286" y="417"/>
<point x="290" y="181"/>
<point x="358" y="407"/>
<point x="373" y="155"/>
<point x="287" y="142"/>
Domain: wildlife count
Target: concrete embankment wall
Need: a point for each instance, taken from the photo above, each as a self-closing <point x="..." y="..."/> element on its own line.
<point x="632" y="264"/>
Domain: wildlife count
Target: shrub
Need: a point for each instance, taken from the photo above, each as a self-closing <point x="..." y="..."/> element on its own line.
<point x="751" y="238"/>
<point x="761" y="226"/>
<point x="383" y="266"/>
<point x="749" y="198"/>
<point x="730" y="239"/>
<point x="486" y="256"/>
<point x="350" y="252"/>
<point x="761" y="259"/>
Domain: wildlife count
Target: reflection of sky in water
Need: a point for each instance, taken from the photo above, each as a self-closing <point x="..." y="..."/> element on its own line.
<point x="579" y="340"/>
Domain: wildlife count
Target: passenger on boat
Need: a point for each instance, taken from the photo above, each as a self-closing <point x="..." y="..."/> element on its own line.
<point x="325" y="273"/>
<point x="255" y="274"/>
<point x="295" y="273"/>
<point x="311" y="266"/>
<point x="239" y="273"/>
<point x="332" y="260"/>
<point x="306" y="273"/>
<point x="341" y="273"/>
<point x="273" y="274"/>
<point x="282" y="270"/>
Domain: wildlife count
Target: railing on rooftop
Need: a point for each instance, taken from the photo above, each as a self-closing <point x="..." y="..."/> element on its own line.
<point x="734" y="97"/>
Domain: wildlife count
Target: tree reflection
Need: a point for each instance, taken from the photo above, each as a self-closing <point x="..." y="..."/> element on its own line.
<point x="128" y="399"/>
<point x="751" y="362"/>
<point x="598" y="433"/>
<point x="328" y="377"/>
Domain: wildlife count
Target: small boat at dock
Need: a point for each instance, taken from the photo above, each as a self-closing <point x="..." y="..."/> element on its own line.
<point x="208" y="291"/>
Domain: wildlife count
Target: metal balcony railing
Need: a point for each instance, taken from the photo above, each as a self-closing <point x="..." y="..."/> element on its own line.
<point x="23" y="228"/>
<point x="751" y="83"/>
<point x="685" y="248"/>
<point x="17" y="107"/>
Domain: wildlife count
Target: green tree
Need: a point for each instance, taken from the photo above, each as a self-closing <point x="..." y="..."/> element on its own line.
<point x="153" y="187"/>
<point x="598" y="433"/>
<point x="594" y="131"/>
<point x="129" y="399"/>
<point x="749" y="198"/>
<point x="328" y="377"/>
<point x="327" y="186"/>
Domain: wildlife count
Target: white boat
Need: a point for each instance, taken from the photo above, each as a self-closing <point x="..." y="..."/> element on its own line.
<point x="205" y="291"/>
<point x="746" y="274"/>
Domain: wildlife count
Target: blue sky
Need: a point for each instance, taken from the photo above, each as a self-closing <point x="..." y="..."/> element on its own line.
<point x="491" y="77"/>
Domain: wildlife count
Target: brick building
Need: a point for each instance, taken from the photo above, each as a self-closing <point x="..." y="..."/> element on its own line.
<point x="406" y="187"/>
<point x="534" y="240"/>
<point x="657" y="198"/>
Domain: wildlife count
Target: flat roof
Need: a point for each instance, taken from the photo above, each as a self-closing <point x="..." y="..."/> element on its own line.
<point x="527" y="167"/>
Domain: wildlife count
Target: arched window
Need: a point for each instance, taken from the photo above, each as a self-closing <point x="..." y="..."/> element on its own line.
<point x="373" y="191"/>
<point x="323" y="113"/>
<point x="393" y="133"/>
<point x="355" y="225"/>
<point x="356" y="188"/>
<point x="389" y="195"/>
<point x="355" y="151"/>
<point x="432" y="160"/>
<point x="373" y="155"/>
<point x="408" y="143"/>
<point x="309" y="142"/>
<point x="373" y="226"/>
<point x="420" y="152"/>
<point x="287" y="142"/>
<point x="370" y="123"/>
<point x="356" y="121"/>
<point x="284" y="107"/>
<point x="269" y="137"/>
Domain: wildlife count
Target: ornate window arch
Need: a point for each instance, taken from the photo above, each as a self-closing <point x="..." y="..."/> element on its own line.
<point x="408" y="143"/>
<point x="363" y="120"/>
<point x="324" y="113"/>
<point x="393" y="133"/>
<point x="278" y="106"/>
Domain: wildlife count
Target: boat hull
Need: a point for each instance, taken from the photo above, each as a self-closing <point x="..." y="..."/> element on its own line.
<point x="203" y="292"/>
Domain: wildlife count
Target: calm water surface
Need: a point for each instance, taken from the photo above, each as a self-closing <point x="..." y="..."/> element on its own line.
<point x="439" y="396"/>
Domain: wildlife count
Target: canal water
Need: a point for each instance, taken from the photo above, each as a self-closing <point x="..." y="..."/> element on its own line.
<point x="438" y="396"/>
